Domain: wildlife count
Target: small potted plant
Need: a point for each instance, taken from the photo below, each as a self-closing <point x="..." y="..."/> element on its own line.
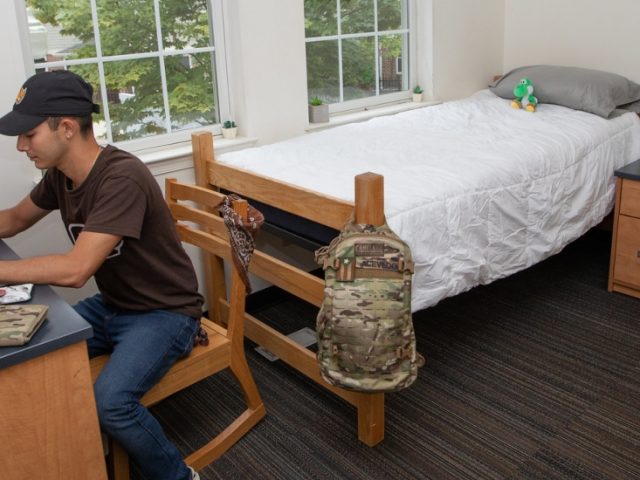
<point x="229" y="129"/>
<point x="417" y="93"/>
<point x="318" y="111"/>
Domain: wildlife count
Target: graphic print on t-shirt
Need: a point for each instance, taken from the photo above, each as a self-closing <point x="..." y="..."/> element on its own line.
<point x="75" y="229"/>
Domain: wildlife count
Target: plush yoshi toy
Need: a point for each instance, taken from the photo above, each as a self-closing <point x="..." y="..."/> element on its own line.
<point x="523" y="92"/>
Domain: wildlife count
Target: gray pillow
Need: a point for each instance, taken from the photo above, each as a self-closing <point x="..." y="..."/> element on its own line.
<point x="592" y="91"/>
<point x="631" y="107"/>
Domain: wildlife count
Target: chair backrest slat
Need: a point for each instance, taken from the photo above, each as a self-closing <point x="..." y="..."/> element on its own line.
<point x="203" y="196"/>
<point x="207" y="231"/>
<point x="204" y="240"/>
<point x="209" y="221"/>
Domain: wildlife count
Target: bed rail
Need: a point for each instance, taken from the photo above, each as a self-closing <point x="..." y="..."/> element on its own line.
<point x="368" y="208"/>
<point x="313" y="206"/>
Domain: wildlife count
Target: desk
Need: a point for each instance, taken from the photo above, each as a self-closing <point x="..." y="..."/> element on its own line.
<point x="624" y="267"/>
<point x="48" y="422"/>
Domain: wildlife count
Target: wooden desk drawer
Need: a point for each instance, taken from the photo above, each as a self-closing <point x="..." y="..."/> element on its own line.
<point x="627" y="262"/>
<point x="630" y="200"/>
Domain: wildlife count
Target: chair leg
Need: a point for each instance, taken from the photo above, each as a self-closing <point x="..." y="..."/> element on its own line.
<point x="119" y="461"/>
<point x="240" y="426"/>
<point x="240" y="369"/>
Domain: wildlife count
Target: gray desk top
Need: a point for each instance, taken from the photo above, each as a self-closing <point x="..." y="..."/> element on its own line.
<point x="631" y="171"/>
<point x="62" y="327"/>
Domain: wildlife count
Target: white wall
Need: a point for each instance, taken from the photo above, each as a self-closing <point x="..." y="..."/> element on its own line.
<point x="14" y="165"/>
<point x="598" y="34"/>
<point x="267" y="68"/>
<point x="468" y="44"/>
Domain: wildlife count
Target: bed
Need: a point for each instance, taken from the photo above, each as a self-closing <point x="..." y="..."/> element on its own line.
<point x="478" y="189"/>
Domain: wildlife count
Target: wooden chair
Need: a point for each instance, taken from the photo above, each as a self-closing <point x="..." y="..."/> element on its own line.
<point x="226" y="345"/>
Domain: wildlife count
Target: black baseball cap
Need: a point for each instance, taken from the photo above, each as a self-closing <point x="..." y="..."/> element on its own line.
<point x="59" y="93"/>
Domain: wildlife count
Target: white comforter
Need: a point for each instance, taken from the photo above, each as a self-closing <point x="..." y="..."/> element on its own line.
<point x="477" y="189"/>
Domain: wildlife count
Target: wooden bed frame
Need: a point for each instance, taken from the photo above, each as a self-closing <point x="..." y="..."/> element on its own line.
<point x="328" y="211"/>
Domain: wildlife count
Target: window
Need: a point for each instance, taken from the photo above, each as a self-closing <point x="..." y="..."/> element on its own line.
<point x="153" y="64"/>
<point x="357" y="51"/>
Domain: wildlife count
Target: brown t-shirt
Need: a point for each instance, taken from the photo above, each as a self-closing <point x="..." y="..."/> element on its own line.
<point x="149" y="268"/>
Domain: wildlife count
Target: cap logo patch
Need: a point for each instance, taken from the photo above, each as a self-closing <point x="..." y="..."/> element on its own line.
<point x="20" y="96"/>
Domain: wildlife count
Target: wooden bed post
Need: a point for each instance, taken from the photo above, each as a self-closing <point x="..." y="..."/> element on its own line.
<point x="202" y="146"/>
<point x="370" y="418"/>
<point x="369" y="209"/>
<point x="369" y="194"/>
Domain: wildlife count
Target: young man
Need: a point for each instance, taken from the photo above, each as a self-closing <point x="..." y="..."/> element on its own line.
<point x="122" y="233"/>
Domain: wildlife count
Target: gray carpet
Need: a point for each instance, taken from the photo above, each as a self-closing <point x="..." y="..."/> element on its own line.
<point x="536" y="376"/>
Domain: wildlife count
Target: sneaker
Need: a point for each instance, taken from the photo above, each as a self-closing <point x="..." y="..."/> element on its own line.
<point x="194" y="474"/>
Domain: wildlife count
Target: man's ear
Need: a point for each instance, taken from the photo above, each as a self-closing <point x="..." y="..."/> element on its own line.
<point x="69" y="127"/>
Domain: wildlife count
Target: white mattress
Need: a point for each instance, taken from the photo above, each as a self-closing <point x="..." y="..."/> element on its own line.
<point x="477" y="189"/>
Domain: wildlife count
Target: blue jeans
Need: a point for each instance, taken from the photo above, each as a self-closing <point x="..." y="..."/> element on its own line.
<point x="143" y="346"/>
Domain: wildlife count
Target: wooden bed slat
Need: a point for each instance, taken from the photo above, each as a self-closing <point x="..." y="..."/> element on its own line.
<point x="287" y="277"/>
<point x="311" y="205"/>
<point x="292" y="279"/>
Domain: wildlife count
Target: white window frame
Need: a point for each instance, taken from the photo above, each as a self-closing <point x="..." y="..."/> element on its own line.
<point x="408" y="61"/>
<point x="159" y="140"/>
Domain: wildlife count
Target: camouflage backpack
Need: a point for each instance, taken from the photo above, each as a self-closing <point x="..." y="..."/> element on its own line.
<point x="365" y="332"/>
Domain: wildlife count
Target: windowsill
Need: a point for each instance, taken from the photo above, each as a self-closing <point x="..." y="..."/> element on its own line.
<point x="177" y="156"/>
<point x="362" y="115"/>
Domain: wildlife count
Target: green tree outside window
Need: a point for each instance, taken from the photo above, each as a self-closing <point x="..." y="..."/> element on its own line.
<point x="349" y="54"/>
<point x="136" y="99"/>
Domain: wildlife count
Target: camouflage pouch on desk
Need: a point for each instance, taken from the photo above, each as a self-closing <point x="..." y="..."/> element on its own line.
<point x="365" y="332"/>
<point x="18" y="323"/>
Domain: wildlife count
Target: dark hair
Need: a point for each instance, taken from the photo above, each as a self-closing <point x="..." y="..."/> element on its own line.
<point x="85" y="123"/>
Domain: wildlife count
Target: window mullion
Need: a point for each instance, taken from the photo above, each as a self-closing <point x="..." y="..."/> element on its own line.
<point x="126" y="56"/>
<point x="163" y="72"/>
<point x="219" y="61"/>
<point x="100" y="62"/>
<point x="408" y="72"/>
<point x="376" y="47"/>
<point x="339" y="26"/>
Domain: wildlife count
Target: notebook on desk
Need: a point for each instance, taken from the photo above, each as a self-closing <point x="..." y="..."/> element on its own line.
<point x="18" y="323"/>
